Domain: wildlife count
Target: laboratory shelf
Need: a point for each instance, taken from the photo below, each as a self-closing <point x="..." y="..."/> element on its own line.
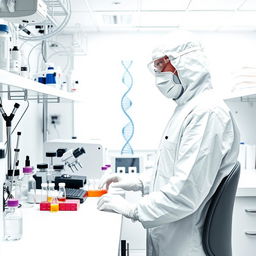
<point x="247" y="92"/>
<point x="14" y="80"/>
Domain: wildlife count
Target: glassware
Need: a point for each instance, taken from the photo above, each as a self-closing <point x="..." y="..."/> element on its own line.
<point x="28" y="188"/>
<point x="42" y="172"/>
<point x="62" y="192"/>
<point x="4" y="47"/>
<point x="51" y="192"/>
<point x="12" y="221"/>
<point x="44" y="192"/>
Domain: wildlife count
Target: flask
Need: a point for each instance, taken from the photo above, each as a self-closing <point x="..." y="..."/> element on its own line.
<point x="62" y="192"/>
<point x="28" y="188"/>
<point x="4" y="47"/>
<point x="12" y="221"/>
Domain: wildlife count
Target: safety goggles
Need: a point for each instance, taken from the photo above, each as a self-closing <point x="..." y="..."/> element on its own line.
<point x="156" y="66"/>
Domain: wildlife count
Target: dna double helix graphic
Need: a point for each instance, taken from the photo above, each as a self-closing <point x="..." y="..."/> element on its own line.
<point x="128" y="129"/>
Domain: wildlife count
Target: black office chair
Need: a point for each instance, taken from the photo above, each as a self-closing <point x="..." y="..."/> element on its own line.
<point x="217" y="233"/>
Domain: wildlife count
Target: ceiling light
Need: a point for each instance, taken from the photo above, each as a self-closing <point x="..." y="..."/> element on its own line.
<point x="116" y="19"/>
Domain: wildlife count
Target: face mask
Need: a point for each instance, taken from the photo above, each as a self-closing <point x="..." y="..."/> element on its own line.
<point x="169" y="85"/>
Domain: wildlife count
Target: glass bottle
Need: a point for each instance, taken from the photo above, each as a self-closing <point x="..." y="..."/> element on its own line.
<point x="12" y="221"/>
<point x="62" y="192"/>
<point x="13" y="183"/>
<point x="44" y="192"/>
<point x="28" y="188"/>
<point x="51" y="192"/>
<point x="42" y="172"/>
<point x="54" y="207"/>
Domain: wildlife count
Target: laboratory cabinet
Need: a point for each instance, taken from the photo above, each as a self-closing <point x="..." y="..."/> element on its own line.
<point x="133" y="232"/>
<point x="244" y="226"/>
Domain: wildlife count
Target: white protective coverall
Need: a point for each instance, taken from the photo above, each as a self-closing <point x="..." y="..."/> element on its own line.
<point x="199" y="147"/>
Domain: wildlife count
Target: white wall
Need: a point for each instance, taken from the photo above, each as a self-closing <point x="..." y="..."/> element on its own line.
<point x="101" y="73"/>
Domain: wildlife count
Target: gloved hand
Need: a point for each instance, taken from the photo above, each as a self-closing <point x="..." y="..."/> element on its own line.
<point x="126" y="182"/>
<point x="117" y="204"/>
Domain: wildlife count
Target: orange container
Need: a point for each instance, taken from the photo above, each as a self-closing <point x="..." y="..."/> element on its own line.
<point x="96" y="193"/>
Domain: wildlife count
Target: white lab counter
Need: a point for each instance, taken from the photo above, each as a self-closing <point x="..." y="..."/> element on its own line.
<point x="247" y="184"/>
<point x="87" y="231"/>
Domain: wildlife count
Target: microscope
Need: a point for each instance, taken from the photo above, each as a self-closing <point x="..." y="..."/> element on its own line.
<point x="70" y="158"/>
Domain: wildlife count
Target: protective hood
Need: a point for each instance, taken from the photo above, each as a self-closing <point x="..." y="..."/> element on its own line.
<point x="186" y="55"/>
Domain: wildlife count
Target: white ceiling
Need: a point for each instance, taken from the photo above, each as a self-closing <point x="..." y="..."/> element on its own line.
<point x="140" y="15"/>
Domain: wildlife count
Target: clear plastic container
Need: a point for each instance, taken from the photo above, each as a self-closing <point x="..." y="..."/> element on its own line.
<point x="93" y="188"/>
<point x="28" y="188"/>
<point x="12" y="221"/>
<point x="4" y="47"/>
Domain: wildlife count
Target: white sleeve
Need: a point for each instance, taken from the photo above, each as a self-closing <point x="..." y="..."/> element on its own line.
<point x="145" y="178"/>
<point x="204" y="142"/>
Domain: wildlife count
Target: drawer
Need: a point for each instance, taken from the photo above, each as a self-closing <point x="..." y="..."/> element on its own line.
<point x="244" y="213"/>
<point x="244" y="227"/>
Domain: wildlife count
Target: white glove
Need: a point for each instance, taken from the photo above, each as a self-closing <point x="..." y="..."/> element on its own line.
<point x="126" y="182"/>
<point x="117" y="204"/>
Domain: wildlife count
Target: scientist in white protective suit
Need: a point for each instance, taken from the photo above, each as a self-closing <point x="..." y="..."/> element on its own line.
<point x="199" y="147"/>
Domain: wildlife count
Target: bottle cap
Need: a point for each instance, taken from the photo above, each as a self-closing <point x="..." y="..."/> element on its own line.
<point x="4" y="28"/>
<point x="51" y="154"/>
<point x="16" y="172"/>
<point x="44" y="185"/>
<point x="58" y="167"/>
<point x="27" y="169"/>
<point x="51" y="185"/>
<point x="13" y="202"/>
<point x="23" y="68"/>
<point x="42" y="166"/>
<point x="62" y="184"/>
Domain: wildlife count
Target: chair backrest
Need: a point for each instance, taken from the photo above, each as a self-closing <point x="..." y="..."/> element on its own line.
<point x="217" y="233"/>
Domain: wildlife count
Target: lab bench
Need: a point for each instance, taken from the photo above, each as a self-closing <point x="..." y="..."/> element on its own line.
<point x="87" y="231"/>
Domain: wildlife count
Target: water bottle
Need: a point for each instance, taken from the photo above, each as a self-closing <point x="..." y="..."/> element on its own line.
<point x="28" y="188"/>
<point x="12" y="221"/>
<point x="4" y="47"/>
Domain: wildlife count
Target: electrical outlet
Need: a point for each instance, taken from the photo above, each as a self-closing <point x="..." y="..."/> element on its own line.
<point x="55" y="119"/>
<point x="120" y="169"/>
<point x="132" y="169"/>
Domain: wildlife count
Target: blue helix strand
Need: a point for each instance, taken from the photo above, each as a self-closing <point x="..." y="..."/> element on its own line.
<point x="128" y="129"/>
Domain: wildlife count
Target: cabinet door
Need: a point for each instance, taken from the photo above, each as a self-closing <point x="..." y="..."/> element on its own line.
<point x="244" y="227"/>
<point x="133" y="232"/>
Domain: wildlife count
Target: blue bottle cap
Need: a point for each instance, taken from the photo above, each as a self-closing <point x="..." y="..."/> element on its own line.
<point x="4" y="28"/>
